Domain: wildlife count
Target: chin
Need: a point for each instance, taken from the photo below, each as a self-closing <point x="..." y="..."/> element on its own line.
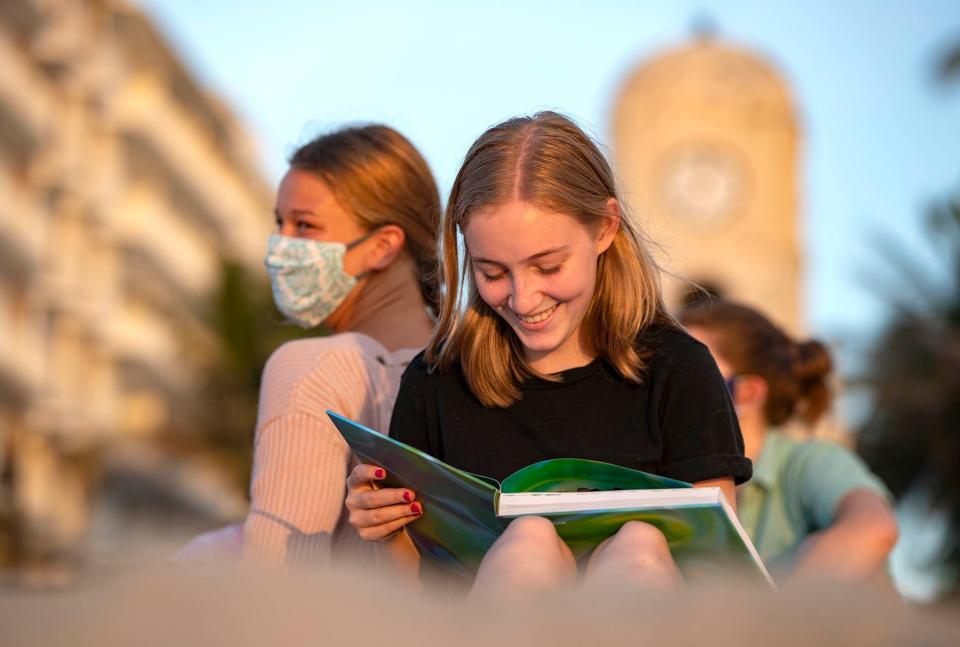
<point x="539" y="343"/>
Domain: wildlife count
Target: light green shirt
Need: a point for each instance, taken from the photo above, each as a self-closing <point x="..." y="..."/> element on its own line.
<point x="795" y="490"/>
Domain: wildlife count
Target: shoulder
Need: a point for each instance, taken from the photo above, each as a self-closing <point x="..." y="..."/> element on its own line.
<point x="421" y="373"/>
<point x="827" y="467"/>
<point x="325" y="368"/>
<point x="667" y="347"/>
<point x="302" y="355"/>
<point x="814" y="456"/>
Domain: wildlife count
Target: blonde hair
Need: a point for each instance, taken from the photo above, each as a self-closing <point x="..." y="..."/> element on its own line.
<point x="377" y="175"/>
<point x="550" y="163"/>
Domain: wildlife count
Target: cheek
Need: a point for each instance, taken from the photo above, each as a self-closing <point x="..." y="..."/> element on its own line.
<point x="577" y="284"/>
<point x="493" y="294"/>
<point x="352" y="264"/>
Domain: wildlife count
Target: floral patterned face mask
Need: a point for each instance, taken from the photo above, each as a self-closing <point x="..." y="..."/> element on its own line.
<point x="308" y="278"/>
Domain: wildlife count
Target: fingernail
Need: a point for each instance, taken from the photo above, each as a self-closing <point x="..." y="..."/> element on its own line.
<point x="406" y="496"/>
<point x="416" y="508"/>
<point x="379" y="474"/>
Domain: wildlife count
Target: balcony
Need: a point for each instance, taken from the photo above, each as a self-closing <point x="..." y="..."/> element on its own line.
<point x="21" y="352"/>
<point x="161" y="137"/>
<point x="24" y="15"/>
<point x="21" y="228"/>
<point x="143" y="342"/>
<point x="76" y="401"/>
<point x="26" y="107"/>
<point x="171" y="245"/>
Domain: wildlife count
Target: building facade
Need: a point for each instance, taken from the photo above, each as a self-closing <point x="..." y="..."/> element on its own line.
<point x="124" y="184"/>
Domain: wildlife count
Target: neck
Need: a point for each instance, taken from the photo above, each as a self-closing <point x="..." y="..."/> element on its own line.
<point x="754" y="430"/>
<point x="572" y="353"/>
<point x="388" y="306"/>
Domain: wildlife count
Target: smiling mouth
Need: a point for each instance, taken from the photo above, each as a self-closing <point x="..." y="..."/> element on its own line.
<point x="540" y="316"/>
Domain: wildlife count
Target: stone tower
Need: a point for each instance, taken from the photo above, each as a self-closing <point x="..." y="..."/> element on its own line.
<point x="705" y="141"/>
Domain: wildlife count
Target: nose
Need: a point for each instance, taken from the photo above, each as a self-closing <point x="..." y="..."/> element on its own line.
<point x="288" y="227"/>
<point x="524" y="295"/>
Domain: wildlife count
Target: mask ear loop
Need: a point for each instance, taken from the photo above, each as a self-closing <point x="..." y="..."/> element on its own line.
<point x="357" y="241"/>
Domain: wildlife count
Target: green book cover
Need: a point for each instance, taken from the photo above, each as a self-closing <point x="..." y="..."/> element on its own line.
<point x="588" y="501"/>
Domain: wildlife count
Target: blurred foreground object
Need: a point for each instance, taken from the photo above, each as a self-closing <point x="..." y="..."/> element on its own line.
<point x="245" y="607"/>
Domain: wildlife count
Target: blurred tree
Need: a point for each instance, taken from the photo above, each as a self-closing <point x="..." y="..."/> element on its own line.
<point x="248" y="329"/>
<point x="912" y="437"/>
<point x="947" y="69"/>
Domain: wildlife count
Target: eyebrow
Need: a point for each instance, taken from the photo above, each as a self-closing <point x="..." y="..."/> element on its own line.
<point x="296" y="212"/>
<point x="546" y="252"/>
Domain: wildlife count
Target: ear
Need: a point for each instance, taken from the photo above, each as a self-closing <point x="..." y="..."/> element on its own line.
<point x="750" y="393"/>
<point x="610" y="227"/>
<point x="383" y="247"/>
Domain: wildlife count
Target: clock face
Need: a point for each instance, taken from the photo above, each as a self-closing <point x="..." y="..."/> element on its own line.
<point x="702" y="183"/>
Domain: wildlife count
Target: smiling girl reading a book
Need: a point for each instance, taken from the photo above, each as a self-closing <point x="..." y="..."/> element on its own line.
<point x="554" y="343"/>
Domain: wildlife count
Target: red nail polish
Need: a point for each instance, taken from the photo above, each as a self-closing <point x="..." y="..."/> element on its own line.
<point x="406" y="496"/>
<point x="416" y="508"/>
<point x="379" y="474"/>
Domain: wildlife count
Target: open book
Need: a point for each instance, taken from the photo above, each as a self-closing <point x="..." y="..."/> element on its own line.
<point x="588" y="501"/>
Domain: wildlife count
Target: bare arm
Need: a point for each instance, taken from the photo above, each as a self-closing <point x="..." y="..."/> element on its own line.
<point x="856" y="545"/>
<point x="297" y="489"/>
<point x="726" y="486"/>
<point x="399" y="553"/>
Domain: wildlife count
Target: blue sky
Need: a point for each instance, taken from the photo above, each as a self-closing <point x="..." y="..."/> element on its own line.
<point x="881" y="140"/>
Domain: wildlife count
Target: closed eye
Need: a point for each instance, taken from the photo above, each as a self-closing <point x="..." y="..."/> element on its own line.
<point x="549" y="270"/>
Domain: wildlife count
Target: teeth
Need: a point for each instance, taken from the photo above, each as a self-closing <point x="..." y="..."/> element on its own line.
<point x="542" y="316"/>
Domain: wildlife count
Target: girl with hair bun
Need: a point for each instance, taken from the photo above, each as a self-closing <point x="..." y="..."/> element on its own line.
<point x="812" y="507"/>
<point x="552" y="341"/>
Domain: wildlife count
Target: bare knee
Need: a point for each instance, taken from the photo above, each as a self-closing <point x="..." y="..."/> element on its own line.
<point x="642" y="539"/>
<point x="638" y="551"/>
<point x="529" y="556"/>
<point x="533" y="529"/>
<point x="533" y="538"/>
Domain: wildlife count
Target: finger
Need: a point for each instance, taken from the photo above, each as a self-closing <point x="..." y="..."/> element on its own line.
<point x="371" y="518"/>
<point x="385" y="530"/>
<point x="362" y="499"/>
<point x="368" y="499"/>
<point x="364" y="474"/>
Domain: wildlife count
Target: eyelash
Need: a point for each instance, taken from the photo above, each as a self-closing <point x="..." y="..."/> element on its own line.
<point x="543" y="271"/>
<point x="301" y="225"/>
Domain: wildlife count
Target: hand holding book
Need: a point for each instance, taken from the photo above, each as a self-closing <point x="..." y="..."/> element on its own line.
<point x="378" y="513"/>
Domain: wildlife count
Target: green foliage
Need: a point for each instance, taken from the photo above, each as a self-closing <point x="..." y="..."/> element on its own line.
<point x="248" y="329"/>
<point x="912" y="437"/>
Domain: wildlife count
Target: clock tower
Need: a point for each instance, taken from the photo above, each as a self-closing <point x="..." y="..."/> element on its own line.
<point x="705" y="143"/>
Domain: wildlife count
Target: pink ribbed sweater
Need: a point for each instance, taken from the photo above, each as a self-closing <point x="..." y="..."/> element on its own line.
<point x="300" y="461"/>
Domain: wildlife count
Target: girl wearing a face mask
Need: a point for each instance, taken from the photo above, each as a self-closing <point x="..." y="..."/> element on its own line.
<point x="354" y="249"/>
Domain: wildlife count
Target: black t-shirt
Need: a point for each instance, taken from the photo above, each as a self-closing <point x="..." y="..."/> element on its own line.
<point x="679" y="422"/>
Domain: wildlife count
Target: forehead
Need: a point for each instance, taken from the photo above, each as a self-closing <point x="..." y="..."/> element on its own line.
<point x="516" y="230"/>
<point x="303" y="189"/>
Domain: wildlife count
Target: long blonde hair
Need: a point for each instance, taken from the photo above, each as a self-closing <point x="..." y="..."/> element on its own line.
<point x="550" y="163"/>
